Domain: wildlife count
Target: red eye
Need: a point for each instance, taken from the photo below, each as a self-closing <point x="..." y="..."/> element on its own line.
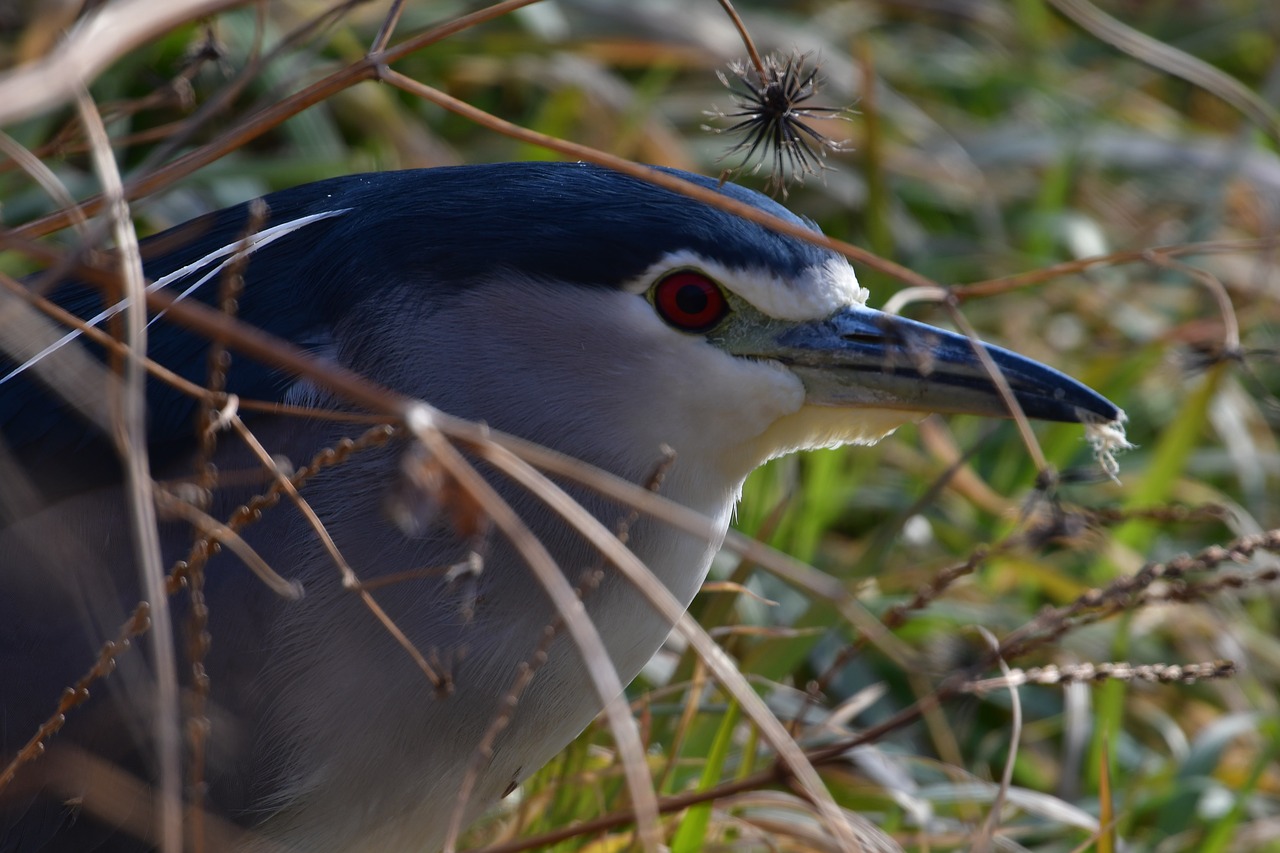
<point x="689" y="301"/>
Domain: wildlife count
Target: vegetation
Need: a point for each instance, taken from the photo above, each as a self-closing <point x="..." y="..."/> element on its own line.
<point x="1063" y="660"/>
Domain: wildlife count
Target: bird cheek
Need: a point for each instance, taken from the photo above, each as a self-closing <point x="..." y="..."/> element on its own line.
<point x="751" y="403"/>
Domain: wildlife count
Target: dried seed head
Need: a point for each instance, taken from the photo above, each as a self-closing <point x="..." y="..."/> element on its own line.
<point x="771" y="117"/>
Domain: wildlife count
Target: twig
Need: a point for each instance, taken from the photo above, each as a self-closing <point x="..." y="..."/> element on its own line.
<point x="745" y="35"/>
<point x="130" y="434"/>
<point x="986" y="836"/>
<point x="78" y="693"/>
<point x="387" y="28"/>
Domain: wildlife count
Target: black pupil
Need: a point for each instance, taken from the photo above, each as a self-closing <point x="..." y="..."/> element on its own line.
<point x="691" y="299"/>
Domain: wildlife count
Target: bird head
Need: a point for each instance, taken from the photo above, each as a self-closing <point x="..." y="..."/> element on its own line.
<point x="607" y="316"/>
<point x="576" y="306"/>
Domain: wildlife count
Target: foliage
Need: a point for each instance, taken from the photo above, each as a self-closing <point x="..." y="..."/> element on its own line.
<point x="990" y="144"/>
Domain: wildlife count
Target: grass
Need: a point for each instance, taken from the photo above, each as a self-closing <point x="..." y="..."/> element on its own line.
<point x="998" y="139"/>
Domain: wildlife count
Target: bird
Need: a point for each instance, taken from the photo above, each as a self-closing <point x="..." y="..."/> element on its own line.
<point x="563" y="303"/>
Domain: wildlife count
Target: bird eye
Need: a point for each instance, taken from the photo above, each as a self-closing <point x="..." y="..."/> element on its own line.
<point x="690" y="301"/>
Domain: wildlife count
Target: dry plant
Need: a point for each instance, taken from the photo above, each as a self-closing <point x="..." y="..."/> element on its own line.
<point x="793" y="709"/>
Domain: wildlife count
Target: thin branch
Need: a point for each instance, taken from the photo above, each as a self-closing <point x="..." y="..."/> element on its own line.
<point x="987" y="835"/>
<point x="745" y="35"/>
<point x="77" y="694"/>
<point x="1008" y="283"/>
<point x="1230" y="323"/>
<point x="350" y="581"/>
<point x="130" y="434"/>
<point x="997" y="377"/>
<point x="388" y="27"/>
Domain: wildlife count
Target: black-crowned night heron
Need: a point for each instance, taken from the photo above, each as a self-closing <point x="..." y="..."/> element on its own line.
<point x="563" y="303"/>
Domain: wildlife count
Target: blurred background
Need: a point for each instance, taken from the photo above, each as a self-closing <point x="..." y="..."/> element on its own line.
<point x="984" y="139"/>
